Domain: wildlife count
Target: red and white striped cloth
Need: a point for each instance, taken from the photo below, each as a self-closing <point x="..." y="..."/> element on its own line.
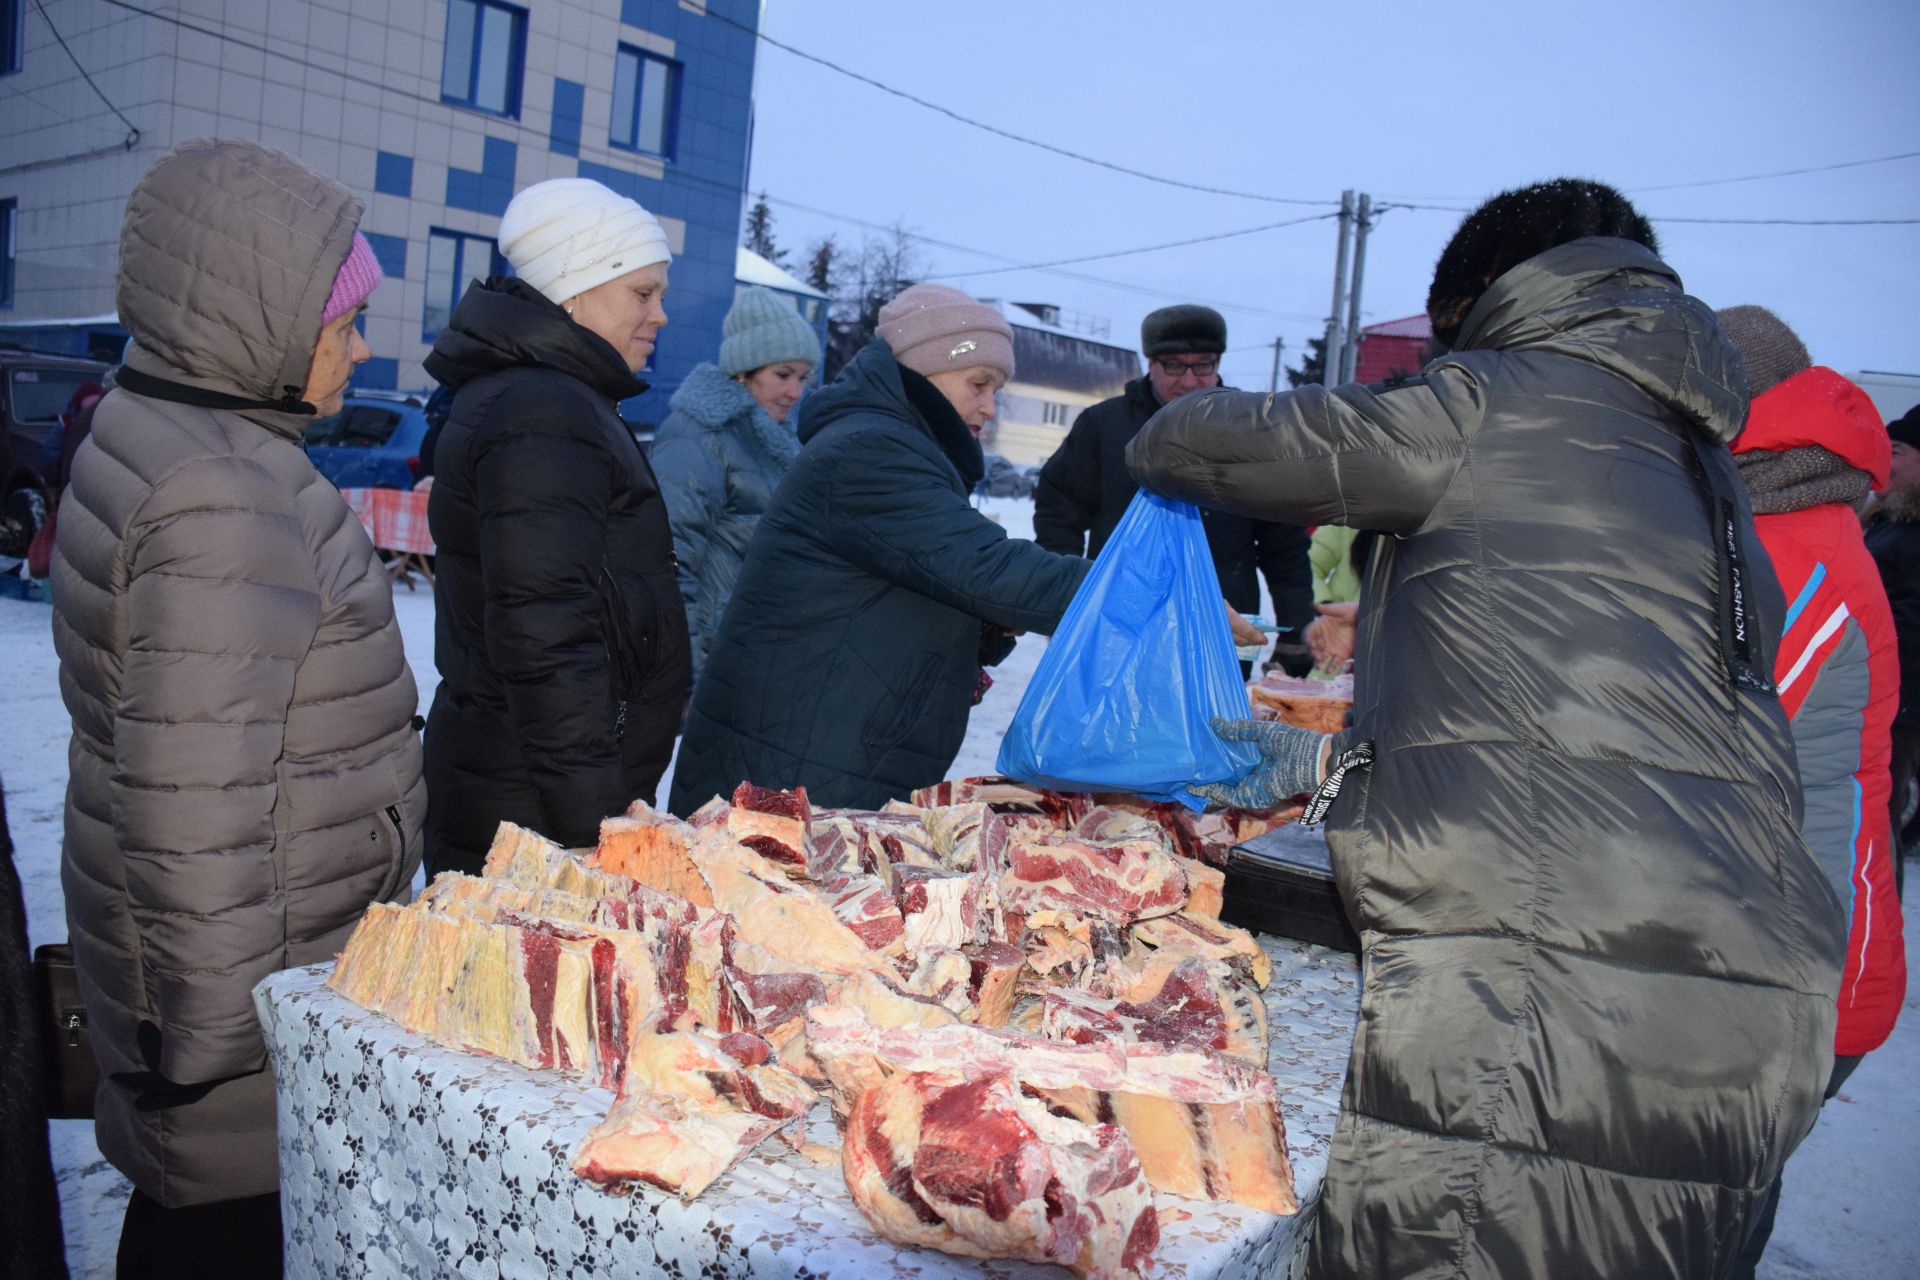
<point x="396" y="519"/>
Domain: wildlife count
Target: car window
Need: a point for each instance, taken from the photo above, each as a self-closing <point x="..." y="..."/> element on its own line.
<point x="367" y="428"/>
<point x="40" y="396"/>
<point x="324" y="431"/>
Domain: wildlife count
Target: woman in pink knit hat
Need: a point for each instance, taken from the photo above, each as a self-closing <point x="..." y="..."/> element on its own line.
<point x="874" y="595"/>
<point x="245" y="772"/>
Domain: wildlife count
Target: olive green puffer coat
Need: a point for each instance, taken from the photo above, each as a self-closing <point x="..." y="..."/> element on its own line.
<point x="1599" y="962"/>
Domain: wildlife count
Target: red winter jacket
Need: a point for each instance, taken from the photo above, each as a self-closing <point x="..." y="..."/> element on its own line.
<point x="1839" y="676"/>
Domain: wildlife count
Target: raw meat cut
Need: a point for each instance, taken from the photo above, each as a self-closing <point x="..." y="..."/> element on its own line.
<point x="1117" y="883"/>
<point x="944" y="975"/>
<point x="1205" y="1125"/>
<point x="942" y="908"/>
<point x="1209" y="939"/>
<point x="1182" y="1002"/>
<point x="691" y="944"/>
<point x="1319" y="705"/>
<point x="971" y="1167"/>
<point x="689" y="1109"/>
<point x="994" y="981"/>
<point x="539" y="993"/>
<point x="1206" y="890"/>
<point x="653" y="852"/>
<point x="774" y="824"/>
<point x="771" y="911"/>
<point x="865" y="905"/>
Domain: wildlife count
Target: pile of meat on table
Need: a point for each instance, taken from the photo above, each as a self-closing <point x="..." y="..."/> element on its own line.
<point x="1022" y="1006"/>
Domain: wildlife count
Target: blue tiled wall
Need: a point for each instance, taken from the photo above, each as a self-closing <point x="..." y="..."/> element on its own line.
<point x="393" y="175"/>
<point x="390" y="252"/>
<point x="702" y="184"/>
<point x="381" y="373"/>
<point x="488" y="190"/>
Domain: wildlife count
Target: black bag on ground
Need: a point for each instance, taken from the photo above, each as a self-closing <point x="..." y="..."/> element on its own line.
<point x="72" y="1072"/>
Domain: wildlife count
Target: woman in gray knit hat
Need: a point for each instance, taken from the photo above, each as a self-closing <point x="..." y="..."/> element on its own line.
<point x="723" y="448"/>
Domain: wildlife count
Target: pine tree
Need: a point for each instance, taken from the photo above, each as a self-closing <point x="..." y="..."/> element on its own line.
<point x="1313" y="365"/>
<point x="760" y="232"/>
<point x="823" y="263"/>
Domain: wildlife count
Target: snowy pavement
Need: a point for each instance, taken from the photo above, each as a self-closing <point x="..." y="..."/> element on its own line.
<point x="1846" y="1211"/>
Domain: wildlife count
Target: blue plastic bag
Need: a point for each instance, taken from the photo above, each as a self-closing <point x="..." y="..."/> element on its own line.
<point x="1141" y="661"/>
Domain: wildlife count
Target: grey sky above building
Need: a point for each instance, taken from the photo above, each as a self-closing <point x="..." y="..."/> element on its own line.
<point x="1418" y="104"/>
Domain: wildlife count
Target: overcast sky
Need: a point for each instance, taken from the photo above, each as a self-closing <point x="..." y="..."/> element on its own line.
<point x="1429" y="103"/>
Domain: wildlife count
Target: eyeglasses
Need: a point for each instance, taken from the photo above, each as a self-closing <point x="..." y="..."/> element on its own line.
<point x="1198" y="368"/>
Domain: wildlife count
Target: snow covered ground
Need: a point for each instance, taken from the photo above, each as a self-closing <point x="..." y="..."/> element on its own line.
<point x="1847" y="1209"/>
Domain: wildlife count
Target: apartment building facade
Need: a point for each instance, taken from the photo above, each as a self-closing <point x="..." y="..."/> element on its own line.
<point x="433" y="111"/>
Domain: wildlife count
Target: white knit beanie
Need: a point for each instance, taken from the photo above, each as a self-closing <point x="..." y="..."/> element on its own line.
<point x="566" y="235"/>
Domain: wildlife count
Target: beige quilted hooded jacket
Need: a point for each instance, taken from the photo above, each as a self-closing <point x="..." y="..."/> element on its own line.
<point x="245" y="774"/>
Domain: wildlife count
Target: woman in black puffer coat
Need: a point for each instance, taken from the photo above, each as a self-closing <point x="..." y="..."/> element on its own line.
<point x="560" y="637"/>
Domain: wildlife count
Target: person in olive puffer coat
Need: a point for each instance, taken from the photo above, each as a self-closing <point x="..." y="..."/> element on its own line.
<point x="244" y="768"/>
<point x="559" y="634"/>
<point x="1600" y="962"/>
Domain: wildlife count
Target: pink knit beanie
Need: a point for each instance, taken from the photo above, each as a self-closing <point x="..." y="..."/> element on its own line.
<point x="932" y="328"/>
<point x="355" y="280"/>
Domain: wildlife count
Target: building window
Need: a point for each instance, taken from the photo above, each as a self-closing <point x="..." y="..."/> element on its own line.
<point x="1057" y="414"/>
<point x="646" y="102"/>
<point x="12" y="34"/>
<point x="485" y="56"/>
<point x="454" y="260"/>
<point x="7" y="219"/>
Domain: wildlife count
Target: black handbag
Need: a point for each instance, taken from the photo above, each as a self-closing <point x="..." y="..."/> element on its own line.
<point x="71" y="1072"/>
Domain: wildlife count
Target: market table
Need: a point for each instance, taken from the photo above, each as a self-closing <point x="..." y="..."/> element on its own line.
<point x="399" y="1157"/>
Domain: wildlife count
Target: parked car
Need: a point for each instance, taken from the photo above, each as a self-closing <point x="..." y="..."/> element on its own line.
<point x="35" y="388"/>
<point x="1004" y="480"/>
<point x="372" y="443"/>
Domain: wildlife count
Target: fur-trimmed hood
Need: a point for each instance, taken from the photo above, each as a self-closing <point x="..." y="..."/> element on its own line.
<point x="709" y="399"/>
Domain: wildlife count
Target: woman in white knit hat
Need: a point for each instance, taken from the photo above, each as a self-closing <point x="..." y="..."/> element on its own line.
<point x="723" y="448"/>
<point x="874" y="594"/>
<point x="560" y="638"/>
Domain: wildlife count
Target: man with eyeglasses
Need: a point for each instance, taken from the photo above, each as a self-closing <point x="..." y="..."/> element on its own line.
<point x="1084" y="489"/>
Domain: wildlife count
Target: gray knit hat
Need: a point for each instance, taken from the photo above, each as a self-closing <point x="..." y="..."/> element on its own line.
<point x="932" y="328"/>
<point x="763" y="329"/>
<point x="1771" y="352"/>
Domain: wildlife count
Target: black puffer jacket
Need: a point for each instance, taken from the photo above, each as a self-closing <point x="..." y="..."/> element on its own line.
<point x="1893" y="536"/>
<point x="1085" y="488"/>
<point x="848" y="657"/>
<point x="1600" y="962"/>
<point x="560" y="637"/>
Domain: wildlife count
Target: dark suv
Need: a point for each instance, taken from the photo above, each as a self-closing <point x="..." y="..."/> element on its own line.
<point x="35" y="389"/>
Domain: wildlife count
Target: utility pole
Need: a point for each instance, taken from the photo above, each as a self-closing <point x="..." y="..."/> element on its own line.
<point x="1330" y="367"/>
<point x="1362" y="223"/>
<point x="1273" y="384"/>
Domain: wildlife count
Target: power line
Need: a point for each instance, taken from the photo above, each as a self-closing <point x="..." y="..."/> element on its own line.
<point x="1159" y="295"/>
<point x="1151" y="248"/>
<point x="1725" y="222"/>
<point x="951" y="114"/>
<point x="1780" y="173"/>
<point x="133" y="130"/>
<point x="729" y="188"/>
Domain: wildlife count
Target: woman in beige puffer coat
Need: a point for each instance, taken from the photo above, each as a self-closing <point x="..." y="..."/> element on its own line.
<point x="245" y="770"/>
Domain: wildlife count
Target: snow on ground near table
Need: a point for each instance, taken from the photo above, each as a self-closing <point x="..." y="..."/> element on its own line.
<point x="1845" y="1210"/>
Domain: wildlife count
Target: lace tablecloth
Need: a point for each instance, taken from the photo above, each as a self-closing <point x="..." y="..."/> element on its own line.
<point x="402" y="1158"/>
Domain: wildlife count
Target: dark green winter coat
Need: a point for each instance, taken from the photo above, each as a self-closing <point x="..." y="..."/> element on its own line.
<point x="1600" y="964"/>
<point x="848" y="658"/>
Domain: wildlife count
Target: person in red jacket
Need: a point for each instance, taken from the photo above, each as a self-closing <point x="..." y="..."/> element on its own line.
<point x="1812" y="447"/>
